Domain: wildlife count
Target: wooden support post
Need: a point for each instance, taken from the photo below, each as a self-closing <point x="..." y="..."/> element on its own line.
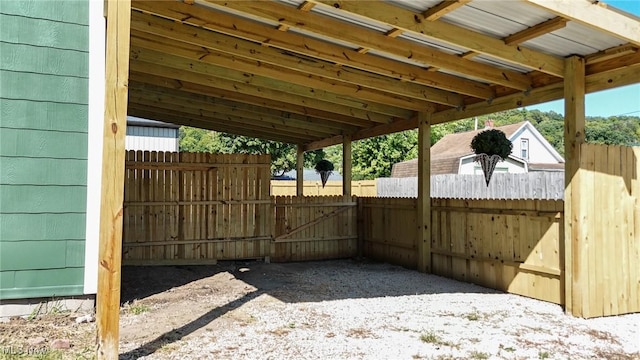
<point x="424" y="192"/>
<point x="346" y="165"/>
<point x="574" y="135"/>
<point x="300" y="171"/>
<point x="112" y="194"/>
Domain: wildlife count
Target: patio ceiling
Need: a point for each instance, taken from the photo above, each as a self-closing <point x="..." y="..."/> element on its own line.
<point x="311" y="72"/>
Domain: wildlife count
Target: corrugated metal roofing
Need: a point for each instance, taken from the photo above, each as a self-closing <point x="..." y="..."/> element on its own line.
<point x="574" y="39"/>
<point x="232" y="57"/>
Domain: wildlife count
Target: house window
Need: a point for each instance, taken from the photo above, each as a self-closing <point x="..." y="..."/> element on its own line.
<point x="524" y="149"/>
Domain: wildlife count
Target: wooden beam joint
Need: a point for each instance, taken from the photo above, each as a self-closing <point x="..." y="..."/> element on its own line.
<point x="536" y="31"/>
<point x="443" y="9"/>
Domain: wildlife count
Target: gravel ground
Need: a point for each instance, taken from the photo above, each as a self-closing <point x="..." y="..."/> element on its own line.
<point x="352" y="310"/>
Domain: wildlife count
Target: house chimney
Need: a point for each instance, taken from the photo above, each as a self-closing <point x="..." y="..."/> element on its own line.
<point x="488" y="124"/>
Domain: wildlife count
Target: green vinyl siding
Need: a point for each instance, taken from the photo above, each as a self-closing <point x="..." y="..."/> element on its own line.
<point x="45" y="33"/>
<point x="63" y="226"/>
<point x="44" y="84"/>
<point x="27" y="114"/>
<point x="75" y="12"/>
<point x="16" y="57"/>
<point x="34" y="199"/>
<point x="39" y="171"/>
<point x="44" y="87"/>
<point x="17" y="255"/>
<point x="43" y="144"/>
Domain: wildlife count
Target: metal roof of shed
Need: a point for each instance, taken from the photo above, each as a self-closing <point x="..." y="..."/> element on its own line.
<point x="312" y="72"/>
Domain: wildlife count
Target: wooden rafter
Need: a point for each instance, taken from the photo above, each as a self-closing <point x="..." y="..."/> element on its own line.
<point x="297" y="70"/>
<point x="150" y="83"/>
<point x="172" y="67"/>
<point x="220" y="121"/>
<point x="212" y="124"/>
<point x="452" y="34"/>
<point x="443" y="9"/>
<point x="318" y="109"/>
<point x="594" y="16"/>
<point x="230" y="107"/>
<point x="375" y="40"/>
<point x="223" y="50"/>
<point x="594" y="82"/>
<point x="232" y="116"/>
<point x="611" y="53"/>
<point x="318" y="80"/>
<point x="226" y="24"/>
<point x="536" y="31"/>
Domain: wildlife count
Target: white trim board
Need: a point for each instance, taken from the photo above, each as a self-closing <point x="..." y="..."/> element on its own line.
<point x="97" y="43"/>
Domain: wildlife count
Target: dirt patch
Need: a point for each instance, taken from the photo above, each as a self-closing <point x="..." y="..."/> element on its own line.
<point x="38" y="336"/>
<point x="323" y="310"/>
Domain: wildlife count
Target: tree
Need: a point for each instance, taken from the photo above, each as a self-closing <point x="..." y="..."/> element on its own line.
<point x="198" y="140"/>
<point x="374" y="157"/>
<point x="283" y="155"/>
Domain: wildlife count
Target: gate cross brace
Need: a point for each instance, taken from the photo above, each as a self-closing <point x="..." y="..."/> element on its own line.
<point x="309" y="224"/>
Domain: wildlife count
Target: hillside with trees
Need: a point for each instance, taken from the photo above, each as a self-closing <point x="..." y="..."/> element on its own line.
<point x="374" y="157"/>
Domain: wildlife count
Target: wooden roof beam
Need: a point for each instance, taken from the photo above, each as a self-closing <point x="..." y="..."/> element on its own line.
<point x="146" y="82"/>
<point x="611" y="53"/>
<point x="230" y="107"/>
<point x="536" y="31"/>
<point x="443" y="9"/>
<point x="274" y="63"/>
<point x="213" y="126"/>
<point x="235" y="68"/>
<point x="157" y="74"/>
<point x="594" y="16"/>
<point x="215" y="76"/>
<point x="414" y="22"/>
<point x="245" y="29"/>
<point x="594" y="82"/>
<point x="367" y="38"/>
<point x="224" y="123"/>
<point x="151" y="32"/>
<point x="192" y="106"/>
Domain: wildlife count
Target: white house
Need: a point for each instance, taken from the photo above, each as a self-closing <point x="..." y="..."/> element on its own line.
<point x="453" y="154"/>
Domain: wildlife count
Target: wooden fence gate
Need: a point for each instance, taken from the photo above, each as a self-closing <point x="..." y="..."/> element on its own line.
<point x="315" y="228"/>
<point x="183" y="208"/>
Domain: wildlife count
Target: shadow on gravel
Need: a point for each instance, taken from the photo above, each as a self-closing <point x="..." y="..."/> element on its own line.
<point x="143" y="281"/>
<point x="177" y="334"/>
<point x="312" y="281"/>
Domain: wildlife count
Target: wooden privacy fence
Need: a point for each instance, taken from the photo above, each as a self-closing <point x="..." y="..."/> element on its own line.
<point x="515" y="246"/>
<point x="182" y="208"/>
<point x="534" y="185"/>
<point x="315" y="228"/>
<point x="199" y="208"/>
<point x="605" y="257"/>
<point x="314" y="188"/>
<point x="388" y="230"/>
<point x="511" y="245"/>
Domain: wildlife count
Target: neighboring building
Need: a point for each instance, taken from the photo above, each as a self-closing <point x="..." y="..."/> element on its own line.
<point x="453" y="154"/>
<point x="51" y="123"/>
<point x="150" y="135"/>
<point x="308" y="175"/>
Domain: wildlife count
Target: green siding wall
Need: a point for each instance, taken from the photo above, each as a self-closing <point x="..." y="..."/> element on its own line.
<point x="44" y="82"/>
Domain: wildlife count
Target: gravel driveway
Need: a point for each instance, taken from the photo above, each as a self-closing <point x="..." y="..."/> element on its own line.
<point x="349" y="310"/>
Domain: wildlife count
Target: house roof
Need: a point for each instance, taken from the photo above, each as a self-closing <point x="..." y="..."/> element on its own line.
<point x="459" y="144"/>
<point x="134" y="121"/>
<point x="312" y="72"/>
<point x="446" y="153"/>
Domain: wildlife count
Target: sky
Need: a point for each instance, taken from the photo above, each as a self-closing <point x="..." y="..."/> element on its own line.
<point x="619" y="101"/>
